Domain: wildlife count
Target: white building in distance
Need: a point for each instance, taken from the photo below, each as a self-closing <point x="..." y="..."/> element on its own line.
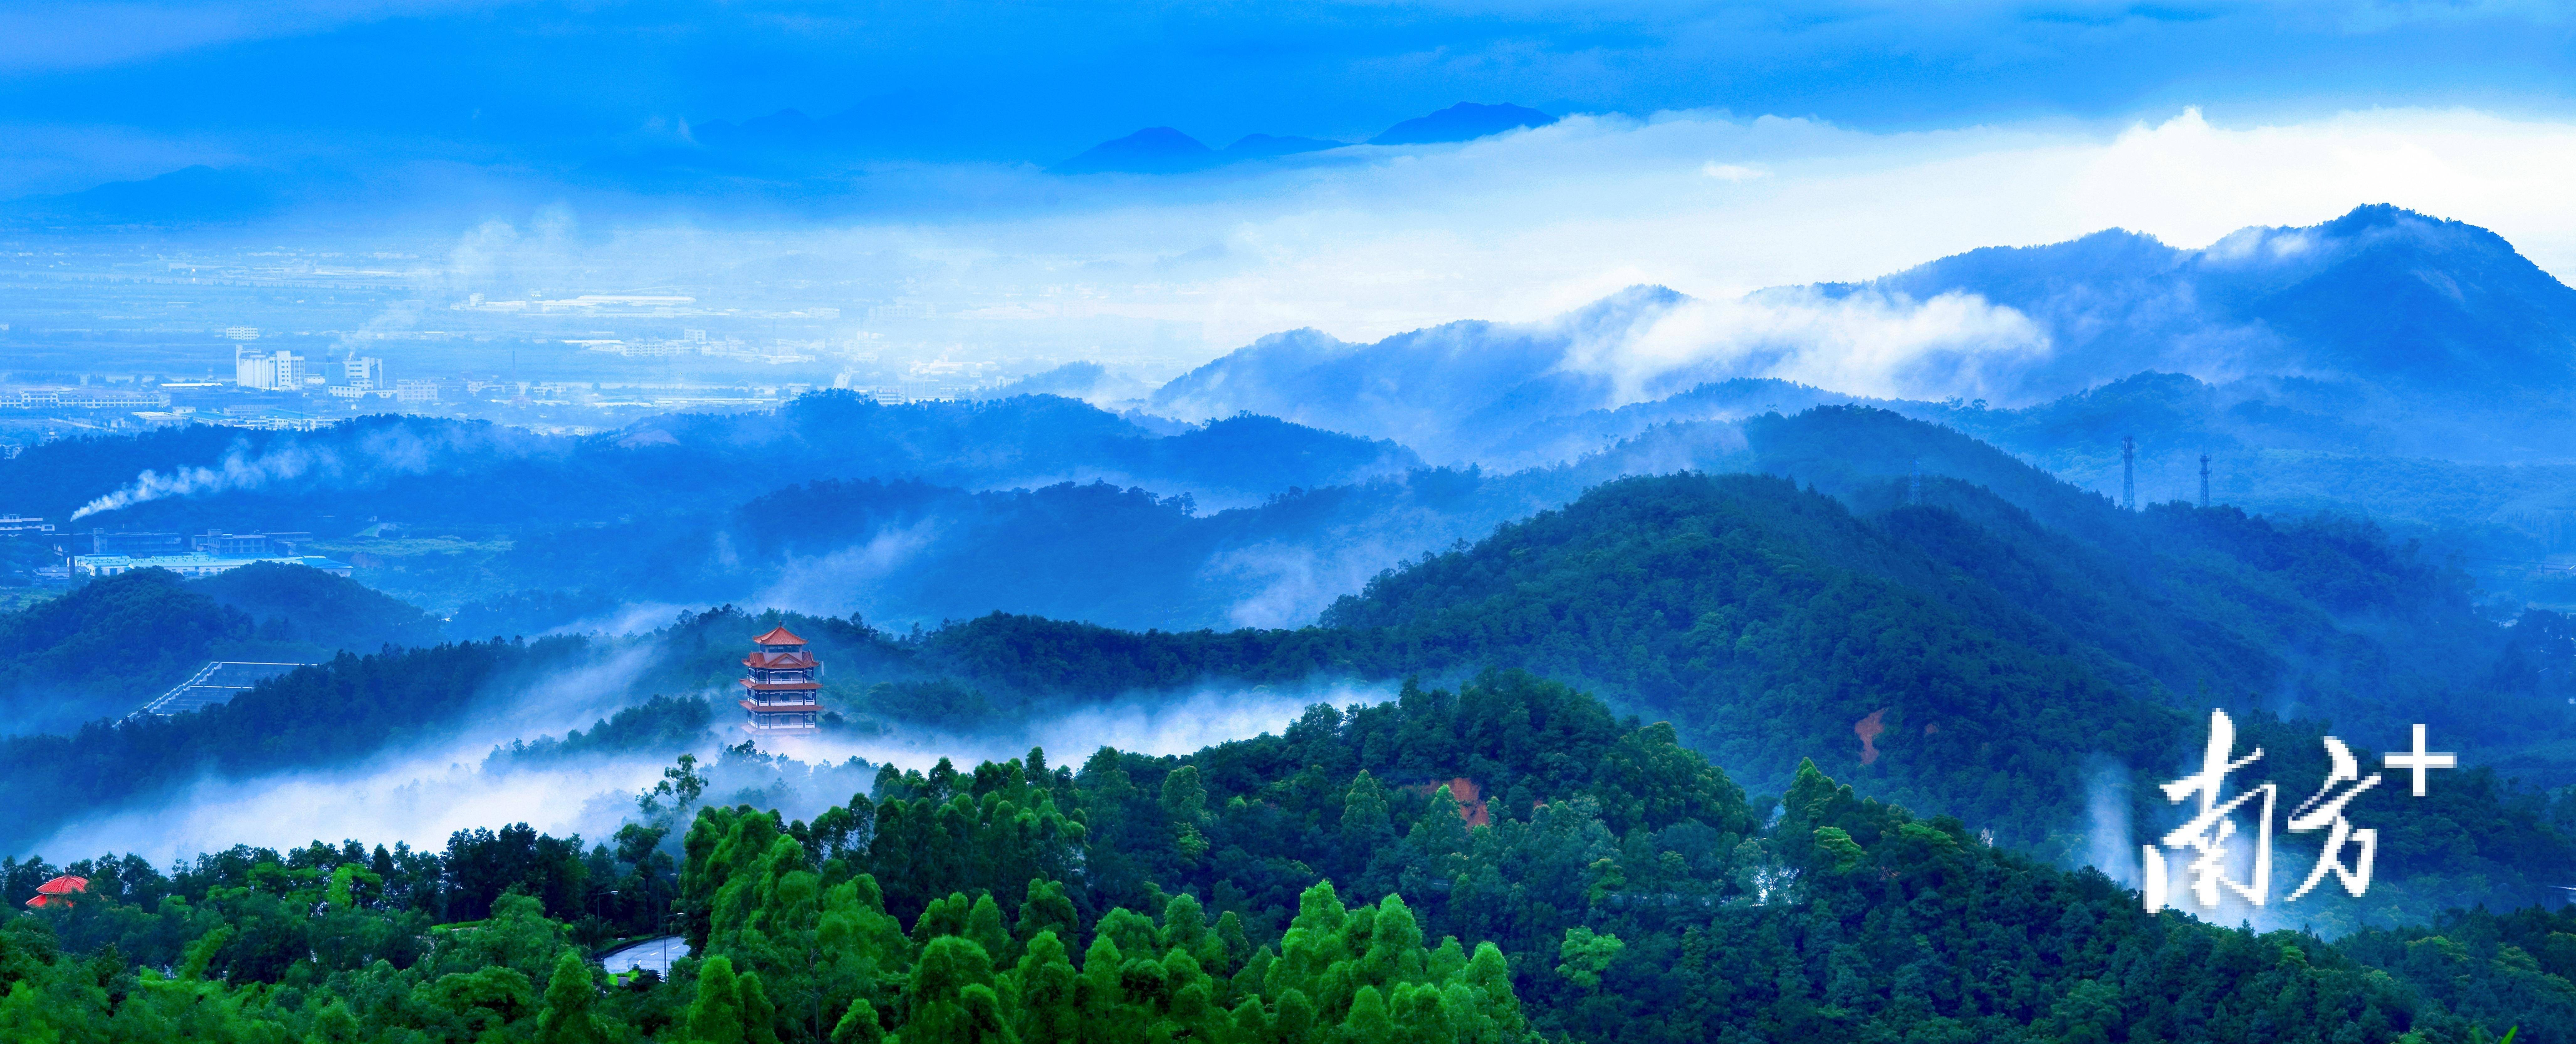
<point x="268" y="371"/>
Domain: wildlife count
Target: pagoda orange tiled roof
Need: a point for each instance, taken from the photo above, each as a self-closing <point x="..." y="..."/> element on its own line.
<point x="57" y="890"/>
<point x="778" y="636"/>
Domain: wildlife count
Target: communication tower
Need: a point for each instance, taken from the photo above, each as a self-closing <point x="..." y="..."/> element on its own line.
<point x="2128" y="473"/>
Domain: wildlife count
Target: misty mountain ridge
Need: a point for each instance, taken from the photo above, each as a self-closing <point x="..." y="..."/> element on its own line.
<point x="2434" y="335"/>
<point x="2006" y="633"/>
<point x="1441" y="390"/>
<point x="1465" y="121"/>
<point x="1154" y="150"/>
<point x="1164" y="150"/>
<point x="2406" y="301"/>
<point x="197" y="194"/>
<point x="435" y="471"/>
<point x="105" y="649"/>
<point x="1088" y="381"/>
<point x="785" y="158"/>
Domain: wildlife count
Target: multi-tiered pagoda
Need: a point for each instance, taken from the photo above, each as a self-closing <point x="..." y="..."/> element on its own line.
<point x="781" y="694"/>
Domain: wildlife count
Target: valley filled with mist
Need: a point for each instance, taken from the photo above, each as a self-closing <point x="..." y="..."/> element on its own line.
<point x="747" y="524"/>
<point x="1355" y="611"/>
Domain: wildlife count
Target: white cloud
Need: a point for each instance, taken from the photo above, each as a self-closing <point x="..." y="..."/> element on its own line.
<point x="1162" y="273"/>
<point x="420" y="800"/>
<point x="1139" y="724"/>
<point x="1868" y="343"/>
<point x="1524" y="226"/>
<point x="846" y="580"/>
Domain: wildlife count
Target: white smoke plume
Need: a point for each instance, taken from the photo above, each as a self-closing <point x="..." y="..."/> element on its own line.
<point x="239" y="470"/>
<point x="331" y="457"/>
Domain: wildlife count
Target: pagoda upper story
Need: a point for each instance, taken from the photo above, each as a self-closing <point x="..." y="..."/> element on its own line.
<point x="780" y="692"/>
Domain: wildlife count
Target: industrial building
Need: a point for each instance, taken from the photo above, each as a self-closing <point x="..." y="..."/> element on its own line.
<point x="268" y="371"/>
<point x="196" y="564"/>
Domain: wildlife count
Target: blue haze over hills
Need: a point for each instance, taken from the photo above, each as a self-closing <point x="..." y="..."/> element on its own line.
<point x="2384" y="363"/>
<point x="474" y="99"/>
<point x="1553" y="403"/>
<point x="2383" y="330"/>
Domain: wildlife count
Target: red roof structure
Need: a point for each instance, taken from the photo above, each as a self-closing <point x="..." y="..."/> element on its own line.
<point x="783" y="696"/>
<point x="58" y="892"/>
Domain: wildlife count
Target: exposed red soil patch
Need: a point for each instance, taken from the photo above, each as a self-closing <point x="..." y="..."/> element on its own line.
<point x="1471" y="799"/>
<point x="1868" y="729"/>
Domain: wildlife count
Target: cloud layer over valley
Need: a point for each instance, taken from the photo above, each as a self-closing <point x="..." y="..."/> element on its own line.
<point x="1364" y="241"/>
<point x="421" y="794"/>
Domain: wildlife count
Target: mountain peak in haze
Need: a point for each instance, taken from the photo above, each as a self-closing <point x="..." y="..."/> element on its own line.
<point x="2431" y="327"/>
<point x="1154" y="150"/>
<point x="1444" y="391"/>
<point x="2381" y="296"/>
<point x="190" y="194"/>
<point x="1260" y="146"/>
<point x="1465" y="121"/>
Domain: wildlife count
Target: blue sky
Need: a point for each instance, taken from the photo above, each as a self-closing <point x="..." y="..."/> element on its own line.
<point x="101" y="90"/>
<point x="1714" y="149"/>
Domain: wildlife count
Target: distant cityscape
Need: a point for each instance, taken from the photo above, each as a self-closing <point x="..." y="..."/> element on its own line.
<point x="119" y="337"/>
<point x="99" y="552"/>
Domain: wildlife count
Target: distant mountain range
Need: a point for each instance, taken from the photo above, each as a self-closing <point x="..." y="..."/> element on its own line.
<point x="786" y="157"/>
<point x="1163" y="150"/>
<point x="2384" y="331"/>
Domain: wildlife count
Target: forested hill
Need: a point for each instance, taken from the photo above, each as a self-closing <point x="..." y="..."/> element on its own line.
<point x="1772" y="624"/>
<point x="2004" y="640"/>
<point x="479" y="477"/>
<point x="107" y="647"/>
<point x="1542" y="871"/>
<point x="1768" y="623"/>
<point x="1989" y="647"/>
<point x="2325" y="614"/>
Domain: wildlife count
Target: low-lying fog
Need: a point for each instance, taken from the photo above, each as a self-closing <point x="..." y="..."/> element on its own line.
<point x="423" y="795"/>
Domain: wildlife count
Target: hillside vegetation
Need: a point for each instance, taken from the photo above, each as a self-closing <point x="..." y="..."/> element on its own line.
<point x="1620" y="889"/>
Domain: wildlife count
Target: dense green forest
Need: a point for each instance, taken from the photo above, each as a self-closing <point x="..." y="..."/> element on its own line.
<point x="2009" y="666"/>
<point x="2014" y="660"/>
<point x="104" y="649"/>
<point x="1544" y="870"/>
<point x="2325" y="616"/>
